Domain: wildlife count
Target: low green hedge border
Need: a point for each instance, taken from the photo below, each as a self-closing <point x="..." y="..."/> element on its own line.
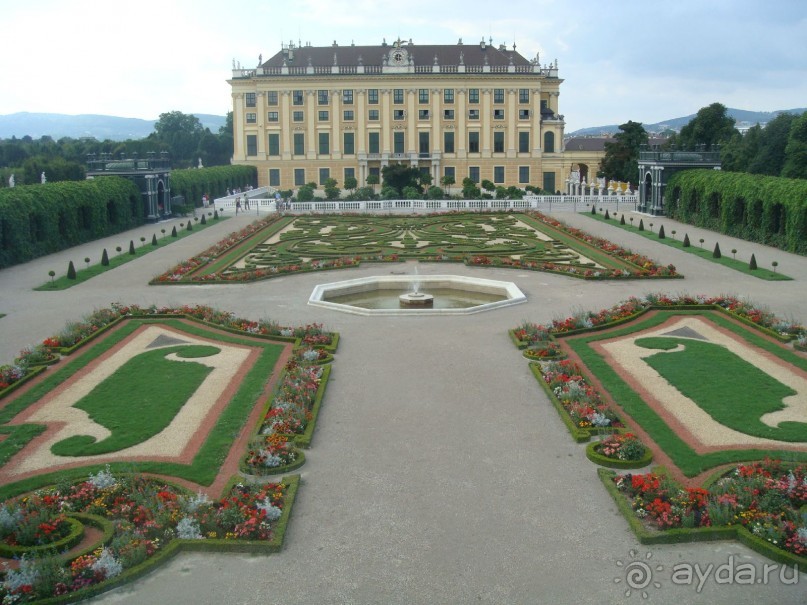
<point x="597" y="458"/>
<point x="74" y="536"/>
<point x="270" y="471"/>
<point x="32" y="373"/>
<point x="699" y="534"/>
<point x="578" y="434"/>
<point x="177" y="546"/>
<point x="305" y="439"/>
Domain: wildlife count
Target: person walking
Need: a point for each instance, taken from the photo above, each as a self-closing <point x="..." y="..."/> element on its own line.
<point x="237" y="205"/>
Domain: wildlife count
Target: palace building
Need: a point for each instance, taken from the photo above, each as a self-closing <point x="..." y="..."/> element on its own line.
<point x="465" y="110"/>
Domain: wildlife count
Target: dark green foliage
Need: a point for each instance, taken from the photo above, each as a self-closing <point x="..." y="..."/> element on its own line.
<point x="795" y="164"/>
<point x="711" y="126"/>
<point x="661" y="232"/>
<point x="215" y="215"/>
<point x="190" y="226"/>
<point x="593" y="209"/>
<point x="71" y="271"/>
<point x="686" y="240"/>
<point x="622" y="220"/>
<point x="174" y="231"/>
<point x="716" y="252"/>
<point x="753" y="264"/>
<point x="641" y="224"/>
<point x="204" y="219"/>
<point x="195" y="182"/>
<point x="621" y="160"/>
<point x="607" y="216"/>
<point x="105" y="258"/>
<point x="154" y="239"/>
<point x="765" y="209"/>
<point x="41" y="219"/>
<point x="132" y="247"/>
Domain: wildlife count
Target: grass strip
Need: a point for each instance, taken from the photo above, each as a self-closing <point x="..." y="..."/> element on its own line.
<point x="704" y="253"/>
<point x="121" y="258"/>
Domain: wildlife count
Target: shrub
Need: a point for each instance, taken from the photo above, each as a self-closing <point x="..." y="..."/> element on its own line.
<point x="661" y="232"/>
<point x="190" y="226"/>
<point x="204" y="220"/>
<point x="641" y="224"/>
<point x="622" y="220"/>
<point x="174" y="231"/>
<point x="716" y="252"/>
<point x="154" y="239"/>
<point x="593" y="209"/>
<point x="131" y="247"/>
<point x="686" y="240"/>
<point x="105" y="258"/>
<point x="607" y="216"/>
<point x="71" y="271"/>
<point x="753" y="264"/>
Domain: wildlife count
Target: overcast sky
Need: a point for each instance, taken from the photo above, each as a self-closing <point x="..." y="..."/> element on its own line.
<point x="640" y="60"/>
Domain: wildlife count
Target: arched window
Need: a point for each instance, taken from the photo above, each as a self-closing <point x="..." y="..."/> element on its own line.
<point x="549" y="142"/>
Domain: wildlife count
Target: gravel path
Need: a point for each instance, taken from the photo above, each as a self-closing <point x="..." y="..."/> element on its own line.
<point x="439" y="472"/>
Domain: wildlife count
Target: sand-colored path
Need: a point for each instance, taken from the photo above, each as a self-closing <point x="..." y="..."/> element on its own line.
<point x="439" y="472"/>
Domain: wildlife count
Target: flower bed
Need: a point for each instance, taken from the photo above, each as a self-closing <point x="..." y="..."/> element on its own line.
<point x="620" y="450"/>
<point x="762" y="503"/>
<point x="150" y="520"/>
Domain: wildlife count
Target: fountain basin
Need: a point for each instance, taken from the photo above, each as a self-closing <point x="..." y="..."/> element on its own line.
<point x="416" y="299"/>
<point x="477" y="294"/>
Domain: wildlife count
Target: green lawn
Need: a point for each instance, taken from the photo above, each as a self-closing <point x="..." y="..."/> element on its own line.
<point x="705" y="250"/>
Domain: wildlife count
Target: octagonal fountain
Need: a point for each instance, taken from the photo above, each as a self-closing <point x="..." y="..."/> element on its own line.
<point x="416" y="295"/>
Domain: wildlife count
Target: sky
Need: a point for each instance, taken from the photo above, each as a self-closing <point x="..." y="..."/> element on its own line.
<point x="621" y="60"/>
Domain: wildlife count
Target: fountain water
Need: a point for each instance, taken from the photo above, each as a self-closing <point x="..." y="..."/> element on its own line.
<point x="416" y="298"/>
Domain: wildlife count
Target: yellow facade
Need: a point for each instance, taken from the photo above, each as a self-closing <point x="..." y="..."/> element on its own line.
<point x="311" y="113"/>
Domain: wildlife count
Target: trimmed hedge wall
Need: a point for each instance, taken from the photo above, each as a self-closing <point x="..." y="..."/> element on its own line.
<point x="765" y="209"/>
<point x="195" y="182"/>
<point x="40" y="219"/>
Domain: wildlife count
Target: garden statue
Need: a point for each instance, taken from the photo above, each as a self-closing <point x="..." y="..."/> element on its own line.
<point x="11" y="180"/>
<point x="42" y="178"/>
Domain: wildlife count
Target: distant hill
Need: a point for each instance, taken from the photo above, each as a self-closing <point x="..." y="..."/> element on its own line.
<point x="57" y="125"/>
<point x="740" y="115"/>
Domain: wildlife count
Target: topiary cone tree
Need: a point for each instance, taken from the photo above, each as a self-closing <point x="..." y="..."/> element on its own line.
<point x="641" y="224"/>
<point x="686" y="240"/>
<point x="716" y="251"/>
<point x="607" y="216"/>
<point x="105" y="258"/>
<point x="753" y="264"/>
<point x="215" y="215"/>
<point x="190" y="226"/>
<point x="174" y="231"/>
<point x="71" y="271"/>
<point x="204" y="220"/>
<point x="661" y="232"/>
<point x="131" y="247"/>
<point x="593" y="209"/>
<point x="622" y="220"/>
<point x="153" y="239"/>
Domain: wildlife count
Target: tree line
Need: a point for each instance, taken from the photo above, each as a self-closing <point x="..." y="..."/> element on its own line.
<point x="181" y="135"/>
<point x="778" y="149"/>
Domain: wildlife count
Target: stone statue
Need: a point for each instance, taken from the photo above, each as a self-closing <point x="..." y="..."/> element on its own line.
<point x="11" y="181"/>
<point x="43" y="179"/>
<point x="200" y="163"/>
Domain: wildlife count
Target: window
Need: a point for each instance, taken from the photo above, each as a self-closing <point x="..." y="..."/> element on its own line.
<point x="398" y="114"/>
<point x="322" y="97"/>
<point x="473" y="114"/>
<point x="323" y="116"/>
<point x="348" y="144"/>
<point x="375" y="171"/>
<point x="398" y="141"/>
<point x="373" y="115"/>
<point x="299" y="176"/>
<point x="299" y="143"/>
<point x="271" y="97"/>
<point x="274" y="177"/>
<point x="372" y="96"/>
<point x="251" y="99"/>
<point x="473" y="174"/>
<point x="423" y="114"/>
<point x="297" y="116"/>
<point x="450" y="171"/>
<point x="252" y="144"/>
<point x="347" y="115"/>
<point x="523" y="114"/>
<point x="498" y="174"/>
<point x="423" y="95"/>
<point x="398" y="96"/>
<point x="252" y="118"/>
<point x="473" y="142"/>
<point x="324" y="175"/>
<point x="350" y="173"/>
<point x="549" y="182"/>
<point x="523" y="95"/>
<point x="372" y="141"/>
<point x="347" y="96"/>
<point x="448" y="114"/>
<point x="498" y="114"/>
<point x="423" y="143"/>
<point x="498" y="142"/>
<point x="272" y="116"/>
<point x="324" y="143"/>
<point x="448" y="142"/>
<point x="523" y="174"/>
<point x="523" y="141"/>
<point x="498" y="95"/>
<point x="544" y="105"/>
<point x="473" y="95"/>
<point x="274" y="144"/>
<point x="448" y="95"/>
<point x="549" y="142"/>
<point x="297" y="97"/>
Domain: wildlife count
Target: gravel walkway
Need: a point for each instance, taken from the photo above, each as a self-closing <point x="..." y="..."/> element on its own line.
<point x="439" y="472"/>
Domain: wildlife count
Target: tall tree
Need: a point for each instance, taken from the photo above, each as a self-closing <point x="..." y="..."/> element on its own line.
<point x="711" y="126"/>
<point x="795" y="166"/>
<point x="621" y="160"/>
<point x="739" y="152"/>
<point x="399" y="176"/>
<point x="770" y="157"/>
<point x="181" y="133"/>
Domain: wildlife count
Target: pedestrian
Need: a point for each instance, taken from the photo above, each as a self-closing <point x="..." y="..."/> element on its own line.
<point x="246" y="202"/>
<point x="237" y="205"/>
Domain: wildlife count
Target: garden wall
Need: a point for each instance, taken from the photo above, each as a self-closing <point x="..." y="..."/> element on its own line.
<point x="765" y="209"/>
<point x="195" y="182"/>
